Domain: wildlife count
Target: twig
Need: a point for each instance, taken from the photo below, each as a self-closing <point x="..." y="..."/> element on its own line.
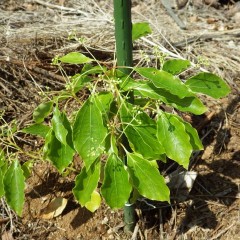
<point x="47" y="73"/>
<point x="222" y="232"/>
<point x="179" y="22"/>
<point x="60" y="7"/>
<point x="4" y="220"/>
<point x="206" y="120"/>
<point x="161" y="224"/>
<point x="208" y="36"/>
<point x="135" y="232"/>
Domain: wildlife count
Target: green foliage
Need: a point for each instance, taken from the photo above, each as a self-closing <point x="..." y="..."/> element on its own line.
<point x="95" y="131"/>
<point x="174" y="138"/>
<point x="13" y="183"/>
<point x="37" y="129"/>
<point x="115" y="177"/>
<point x="176" y="66"/>
<point x="89" y="132"/>
<point x="42" y="111"/>
<point x="75" y="58"/>
<point x="86" y="182"/>
<point x="209" y="84"/>
<point x="140" y="30"/>
<point x="146" y="178"/>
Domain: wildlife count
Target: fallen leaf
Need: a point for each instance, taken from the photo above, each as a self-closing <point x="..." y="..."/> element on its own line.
<point x="211" y="20"/>
<point x="54" y="208"/>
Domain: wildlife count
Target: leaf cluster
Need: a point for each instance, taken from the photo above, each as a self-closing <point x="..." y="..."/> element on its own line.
<point x="113" y="169"/>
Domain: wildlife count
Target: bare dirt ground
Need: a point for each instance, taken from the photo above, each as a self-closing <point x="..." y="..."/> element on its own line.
<point x="33" y="32"/>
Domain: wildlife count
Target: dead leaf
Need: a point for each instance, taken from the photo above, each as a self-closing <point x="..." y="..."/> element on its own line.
<point x="211" y="20"/>
<point x="54" y="208"/>
<point x="7" y="236"/>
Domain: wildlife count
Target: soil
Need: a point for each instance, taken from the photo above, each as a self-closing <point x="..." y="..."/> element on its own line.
<point x="34" y="32"/>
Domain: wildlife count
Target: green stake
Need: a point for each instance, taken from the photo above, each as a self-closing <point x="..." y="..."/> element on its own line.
<point x="123" y="36"/>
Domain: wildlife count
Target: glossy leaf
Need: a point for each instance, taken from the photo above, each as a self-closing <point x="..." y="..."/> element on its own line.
<point x="37" y="129"/>
<point x="187" y="104"/>
<point x="89" y="69"/>
<point x="103" y="102"/>
<point x="14" y="187"/>
<point x="209" y="84"/>
<point x="78" y="81"/>
<point x="58" y="126"/>
<point x="146" y="178"/>
<point x="59" y="154"/>
<point x="176" y="66"/>
<point x="1" y="182"/>
<point x="42" y="111"/>
<point x="174" y="138"/>
<point x="195" y="141"/>
<point x="141" y="131"/>
<point x="140" y="30"/>
<point x="94" y="203"/>
<point x="166" y="81"/>
<point x="86" y="182"/>
<point x="116" y="188"/>
<point x="75" y="58"/>
<point x="27" y="168"/>
<point x="89" y="132"/>
<point x="3" y="169"/>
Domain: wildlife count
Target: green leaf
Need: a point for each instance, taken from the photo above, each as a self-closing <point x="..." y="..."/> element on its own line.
<point x="89" y="132"/>
<point x="116" y="188"/>
<point x="141" y="131"/>
<point x="165" y="80"/>
<point x="209" y="84"/>
<point x="14" y="187"/>
<point x="176" y="66"/>
<point x="90" y="69"/>
<point x="75" y="58"/>
<point x="78" y="81"/>
<point x="3" y="169"/>
<point x="58" y="126"/>
<point x="59" y="154"/>
<point x="94" y="203"/>
<point x="86" y="182"/>
<point x="187" y="104"/>
<point x="1" y="182"/>
<point x="37" y="129"/>
<point x="103" y="102"/>
<point x="195" y="141"/>
<point x="2" y="157"/>
<point x="140" y="30"/>
<point x="42" y="111"/>
<point x="174" y="138"/>
<point x="27" y="168"/>
<point x="146" y="178"/>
